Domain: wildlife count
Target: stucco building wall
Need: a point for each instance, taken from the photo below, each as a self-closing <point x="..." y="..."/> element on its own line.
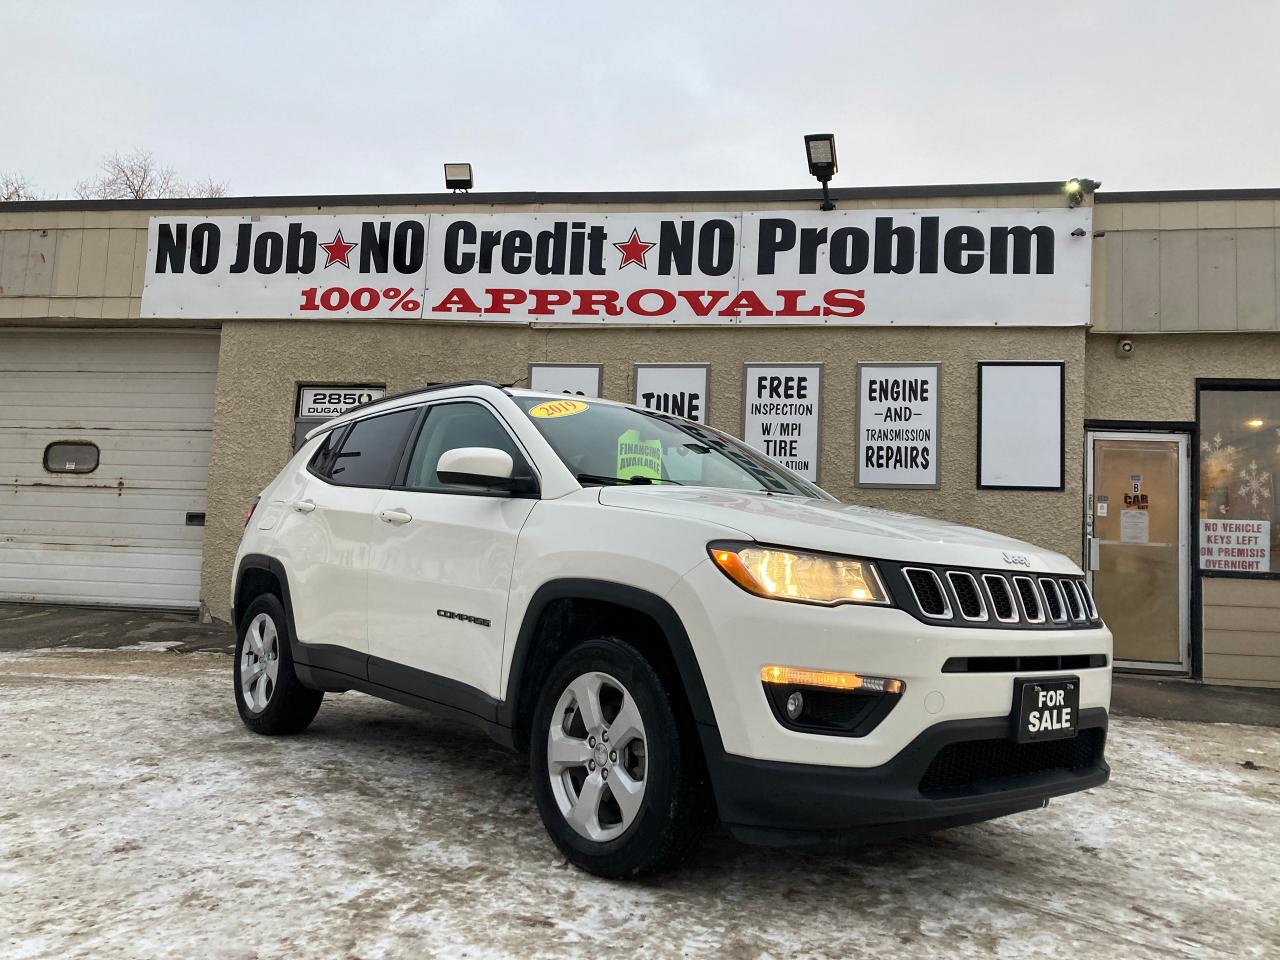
<point x="263" y="362"/>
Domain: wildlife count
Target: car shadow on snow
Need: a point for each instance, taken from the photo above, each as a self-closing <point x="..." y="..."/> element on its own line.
<point x="404" y="756"/>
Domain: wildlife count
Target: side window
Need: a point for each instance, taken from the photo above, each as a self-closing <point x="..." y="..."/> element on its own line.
<point x="322" y="462"/>
<point x="371" y="450"/>
<point x="452" y="425"/>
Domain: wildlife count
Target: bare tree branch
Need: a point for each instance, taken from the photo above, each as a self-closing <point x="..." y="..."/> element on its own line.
<point x="14" y="186"/>
<point x="138" y="176"/>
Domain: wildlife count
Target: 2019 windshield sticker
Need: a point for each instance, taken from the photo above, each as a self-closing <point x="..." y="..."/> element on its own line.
<point x="557" y="408"/>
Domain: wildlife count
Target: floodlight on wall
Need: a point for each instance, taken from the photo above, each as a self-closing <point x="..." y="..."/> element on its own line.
<point x="1077" y="187"/>
<point x="457" y="176"/>
<point x="820" y="150"/>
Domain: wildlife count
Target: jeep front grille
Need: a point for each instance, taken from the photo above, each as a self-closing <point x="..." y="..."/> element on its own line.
<point x="968" y="598"/>
<point x="1026" y="588"/>
<point x="1074" y="605"/>
<point x="1001" y="597"/>
<point x="929" y="593"/>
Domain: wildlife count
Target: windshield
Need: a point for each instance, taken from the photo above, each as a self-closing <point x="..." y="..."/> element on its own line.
<point x="605" y="444"/>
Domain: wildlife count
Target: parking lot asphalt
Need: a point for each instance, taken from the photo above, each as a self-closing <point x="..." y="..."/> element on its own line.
<point x="138" y="818"/>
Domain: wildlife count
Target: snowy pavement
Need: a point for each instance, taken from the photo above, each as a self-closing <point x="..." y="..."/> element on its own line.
<point x="138" y="818"/>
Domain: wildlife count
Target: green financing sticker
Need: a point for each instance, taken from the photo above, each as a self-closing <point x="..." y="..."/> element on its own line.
<point x="639" y="458"/>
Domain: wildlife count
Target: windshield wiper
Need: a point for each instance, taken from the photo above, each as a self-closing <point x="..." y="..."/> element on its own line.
<point x="621" y="481"/>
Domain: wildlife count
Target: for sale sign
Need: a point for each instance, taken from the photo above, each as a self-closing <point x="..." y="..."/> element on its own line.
<point x="898" y="424"/>
<point x="783" y="413"/>
<point x="1027" y="267"/>
<point x="1242" y="546"/>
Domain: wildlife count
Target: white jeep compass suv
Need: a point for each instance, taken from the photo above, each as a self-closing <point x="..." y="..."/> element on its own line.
<point x="672" y="625"/>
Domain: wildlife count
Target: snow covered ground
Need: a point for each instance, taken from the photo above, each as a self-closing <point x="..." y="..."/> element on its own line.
<point x="138" y="818"/>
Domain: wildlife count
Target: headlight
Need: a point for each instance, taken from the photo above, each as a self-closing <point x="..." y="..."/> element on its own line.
<point x="798" y="576"/>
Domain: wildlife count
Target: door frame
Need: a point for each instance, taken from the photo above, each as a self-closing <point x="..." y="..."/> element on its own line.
<point x="1184" y="435"/>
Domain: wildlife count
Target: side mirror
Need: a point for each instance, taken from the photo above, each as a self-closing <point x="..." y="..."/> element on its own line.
<point x="481" y="467"/>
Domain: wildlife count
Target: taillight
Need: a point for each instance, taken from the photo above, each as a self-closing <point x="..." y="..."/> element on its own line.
<point x="252" y="507"/>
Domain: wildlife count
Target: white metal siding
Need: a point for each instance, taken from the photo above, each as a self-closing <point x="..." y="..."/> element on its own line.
<point x="117" y="535"/>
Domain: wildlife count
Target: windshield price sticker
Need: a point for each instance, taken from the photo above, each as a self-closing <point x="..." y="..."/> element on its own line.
<point x="783" y="413"/>
<point x="898" y="424"/>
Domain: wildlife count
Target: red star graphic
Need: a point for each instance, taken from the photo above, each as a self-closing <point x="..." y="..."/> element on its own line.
<point x="634" y="250"/>
<point x="336" y="251"/>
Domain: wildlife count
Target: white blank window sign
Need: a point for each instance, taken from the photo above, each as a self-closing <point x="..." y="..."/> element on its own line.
<point x="1020" y="432"/>
<point x="783" y="410"/>
<point x="578" y="379"/>
<point x="678" y="390"/>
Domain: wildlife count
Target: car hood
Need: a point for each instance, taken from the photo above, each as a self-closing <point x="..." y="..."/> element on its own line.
<point x="835" y="527"/>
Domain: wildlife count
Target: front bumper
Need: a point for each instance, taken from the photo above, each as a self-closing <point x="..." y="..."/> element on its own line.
<point x="734" y="635"/>
<point x="822" y="807"/>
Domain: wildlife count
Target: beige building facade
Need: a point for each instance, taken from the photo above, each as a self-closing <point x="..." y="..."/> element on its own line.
<point x="140" y="422"/>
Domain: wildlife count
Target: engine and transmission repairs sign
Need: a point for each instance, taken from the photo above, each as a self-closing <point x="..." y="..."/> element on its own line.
<point x="898" y="424"/>
<point x="903" y="267"/>
<point x="783" y="413"/>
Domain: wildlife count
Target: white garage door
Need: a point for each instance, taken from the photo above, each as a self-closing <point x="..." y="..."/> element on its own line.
<point x="128" y="531"/>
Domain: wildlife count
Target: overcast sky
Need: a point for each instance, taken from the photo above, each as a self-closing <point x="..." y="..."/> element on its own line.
<point x="368" y="97"/>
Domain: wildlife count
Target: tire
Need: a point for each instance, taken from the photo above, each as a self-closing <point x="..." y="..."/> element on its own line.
<point x="273" y="702"/>
<point x="648" y="834"/>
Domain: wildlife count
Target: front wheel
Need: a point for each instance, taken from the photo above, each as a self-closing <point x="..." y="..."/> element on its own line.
<point x="618" y="779"/>
<point x="268" y="695"/>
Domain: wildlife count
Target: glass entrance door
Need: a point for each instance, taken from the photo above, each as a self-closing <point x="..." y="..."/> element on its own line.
<point x="1139" y="568"/>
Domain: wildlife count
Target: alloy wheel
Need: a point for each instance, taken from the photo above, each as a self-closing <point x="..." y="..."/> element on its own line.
<point x="259" y="663"/>
<point x="597" y="757"/>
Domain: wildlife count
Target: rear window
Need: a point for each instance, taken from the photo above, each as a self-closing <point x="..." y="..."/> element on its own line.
<point x="369" y="453"/>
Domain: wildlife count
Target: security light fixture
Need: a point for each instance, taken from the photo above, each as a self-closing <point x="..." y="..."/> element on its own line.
<point x="1077" y="187"/>
<point x="457" y="176"/>
<point x="820" y="149"/>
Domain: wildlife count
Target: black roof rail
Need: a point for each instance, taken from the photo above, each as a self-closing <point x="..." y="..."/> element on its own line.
<point x="429" y="388"/>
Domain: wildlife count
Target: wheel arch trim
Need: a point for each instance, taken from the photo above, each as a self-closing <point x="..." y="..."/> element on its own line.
<point x="623" y="595"/>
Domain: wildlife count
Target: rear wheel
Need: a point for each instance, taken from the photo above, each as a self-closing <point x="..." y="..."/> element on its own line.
<point x="268" y="695"/>
<point x="617" y="777"/>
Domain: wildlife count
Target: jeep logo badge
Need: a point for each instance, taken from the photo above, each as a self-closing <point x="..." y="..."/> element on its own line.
<point x="1021" y="559"/>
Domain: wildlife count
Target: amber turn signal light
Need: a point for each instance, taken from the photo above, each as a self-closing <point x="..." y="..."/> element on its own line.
<point x="831" y="679"/>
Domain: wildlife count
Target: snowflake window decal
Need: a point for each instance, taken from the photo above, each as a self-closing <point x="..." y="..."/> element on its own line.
<point x="1220" y="459"/>
<point x="1255" y="484"/>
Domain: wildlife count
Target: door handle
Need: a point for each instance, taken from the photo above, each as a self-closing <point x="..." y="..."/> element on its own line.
<point x="396" y="516"/>
<point x="303" y="506"/>
<point x="1095" y="562"/>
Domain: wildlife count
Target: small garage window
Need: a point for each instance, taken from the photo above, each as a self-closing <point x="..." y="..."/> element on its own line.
<point x="71" y="457"/>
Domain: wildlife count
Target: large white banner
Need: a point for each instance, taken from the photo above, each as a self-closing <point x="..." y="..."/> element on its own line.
<point x="782" y="413"/>
<point x="996" y="267"/>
